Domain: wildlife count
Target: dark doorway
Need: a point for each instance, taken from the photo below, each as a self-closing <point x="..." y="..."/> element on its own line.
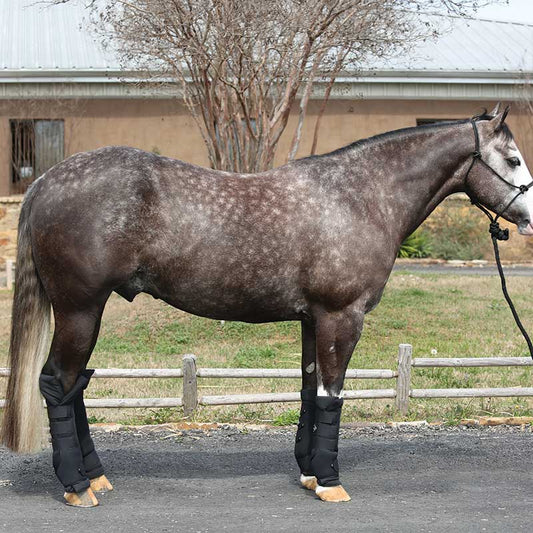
<point x="37" y="145"/>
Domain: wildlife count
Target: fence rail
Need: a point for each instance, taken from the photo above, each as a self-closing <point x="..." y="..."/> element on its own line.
<point x="402" y="393"/>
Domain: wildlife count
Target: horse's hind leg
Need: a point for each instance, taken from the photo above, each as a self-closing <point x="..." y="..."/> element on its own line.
<point x="304" y="434"/>
<point x="62" y="383"/>
<point x="91" y="461"/>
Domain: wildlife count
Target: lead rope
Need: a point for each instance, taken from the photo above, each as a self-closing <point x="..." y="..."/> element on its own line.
<point x="499" y="234"/>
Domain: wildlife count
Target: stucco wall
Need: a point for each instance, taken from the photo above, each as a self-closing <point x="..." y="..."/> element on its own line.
<point x="9" y="215"/>
<point x="165" y="126"/>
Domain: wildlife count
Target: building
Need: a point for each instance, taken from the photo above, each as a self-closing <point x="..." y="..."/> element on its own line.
<point x="61" y="92"/>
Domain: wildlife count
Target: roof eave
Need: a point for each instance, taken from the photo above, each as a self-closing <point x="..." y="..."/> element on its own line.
<point x="385" y="84"/>
<point x="369" y="76"/>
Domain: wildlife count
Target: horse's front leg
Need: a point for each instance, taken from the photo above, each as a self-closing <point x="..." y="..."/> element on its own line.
<point x="336" y="336"/>
<point x="304" y="434"/>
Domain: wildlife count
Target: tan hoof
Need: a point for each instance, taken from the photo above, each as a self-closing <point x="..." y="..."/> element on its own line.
<point x="332" y="494"/>
<point x="101" y="484"/>
<point x="308" y="482"/>
<point x="82" y="499"/>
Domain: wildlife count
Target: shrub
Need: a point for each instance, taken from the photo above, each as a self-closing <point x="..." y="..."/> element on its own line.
<point x="458" y="232"/>
<point x="416" y="245"/>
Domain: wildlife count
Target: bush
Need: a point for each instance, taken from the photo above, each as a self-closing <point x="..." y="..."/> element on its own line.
<point x="416" y="245"/>
<point x="458" y="232"/>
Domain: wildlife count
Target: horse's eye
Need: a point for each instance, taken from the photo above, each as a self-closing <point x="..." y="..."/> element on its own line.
<point x="513" y="161"/>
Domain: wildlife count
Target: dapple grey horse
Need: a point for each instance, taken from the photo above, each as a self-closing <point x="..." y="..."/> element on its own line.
<point x="314" y="241"/>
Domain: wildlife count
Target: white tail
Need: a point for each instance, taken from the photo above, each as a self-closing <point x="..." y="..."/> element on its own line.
<point x="22" y="426"/>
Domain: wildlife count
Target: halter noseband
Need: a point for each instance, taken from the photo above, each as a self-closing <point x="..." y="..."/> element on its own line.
<point x="495" y="230"/>
<point x="497" y="233"/>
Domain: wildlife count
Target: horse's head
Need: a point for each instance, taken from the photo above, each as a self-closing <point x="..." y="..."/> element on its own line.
<point x="496" y="178"/>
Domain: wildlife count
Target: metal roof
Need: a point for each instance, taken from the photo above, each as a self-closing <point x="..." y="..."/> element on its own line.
<point x="42" y="44"/>
<point x="43" y="39"/>
<point x="469" y="47"/>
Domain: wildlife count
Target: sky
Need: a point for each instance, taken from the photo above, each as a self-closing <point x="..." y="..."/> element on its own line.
<point x="512" y="10"/>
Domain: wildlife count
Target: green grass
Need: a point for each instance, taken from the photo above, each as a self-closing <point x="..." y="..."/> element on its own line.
<point x="456" y="316"/>
<point x="287" y="418"/>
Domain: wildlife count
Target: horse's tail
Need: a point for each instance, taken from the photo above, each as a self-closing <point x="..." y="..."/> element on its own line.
<point x="22" y="427"/>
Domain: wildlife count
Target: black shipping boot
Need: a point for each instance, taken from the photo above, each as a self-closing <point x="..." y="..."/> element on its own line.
<point x="67" y="454"/>
<point x="91" y="461"/>
<point x="324" y="464"/>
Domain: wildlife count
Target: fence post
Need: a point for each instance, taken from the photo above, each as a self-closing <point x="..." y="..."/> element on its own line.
<point x="190" y="388"/>
<point x="403" y="383"/>
<point x="9" y="273"/>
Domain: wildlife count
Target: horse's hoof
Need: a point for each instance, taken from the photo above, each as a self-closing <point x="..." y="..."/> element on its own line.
<point x="332" y="494"/>
<point x="101" y="484"/>
<point x="308" y="482"/>
<point x="82" y="499"/>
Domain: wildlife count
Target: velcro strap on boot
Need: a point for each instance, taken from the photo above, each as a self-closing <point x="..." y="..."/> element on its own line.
<point x="331" y="418"/>
<point x="329" y="403"/>
<point x="53" y="392"/>
<point x="326" y="467"/>
<point x="93" y="466"/>
<point x="57" y="412"/>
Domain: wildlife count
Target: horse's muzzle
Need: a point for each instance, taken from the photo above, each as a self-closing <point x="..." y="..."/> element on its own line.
<point x="525" y="228"/>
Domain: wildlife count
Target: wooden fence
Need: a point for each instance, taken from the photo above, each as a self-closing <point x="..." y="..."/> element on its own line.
<point x="402" y="392"/>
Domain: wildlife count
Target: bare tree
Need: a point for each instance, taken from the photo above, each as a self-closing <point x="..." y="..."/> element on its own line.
<point x="241" y="66"/>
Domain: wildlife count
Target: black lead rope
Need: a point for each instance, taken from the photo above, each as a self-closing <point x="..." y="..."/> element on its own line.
<point x="499" y="234"/>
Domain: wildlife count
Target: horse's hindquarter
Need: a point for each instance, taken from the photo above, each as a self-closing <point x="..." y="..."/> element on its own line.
<point x="87" y="220"/>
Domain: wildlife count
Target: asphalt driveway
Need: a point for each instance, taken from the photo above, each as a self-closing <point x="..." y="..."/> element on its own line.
<point x="428" y="479"/>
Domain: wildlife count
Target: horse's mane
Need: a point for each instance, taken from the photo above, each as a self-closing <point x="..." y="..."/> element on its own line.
<point x="484" y="115"/>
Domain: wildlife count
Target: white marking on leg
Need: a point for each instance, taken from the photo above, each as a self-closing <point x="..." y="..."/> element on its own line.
<point x="305" y="479"/>
<point x="320" y="390"/>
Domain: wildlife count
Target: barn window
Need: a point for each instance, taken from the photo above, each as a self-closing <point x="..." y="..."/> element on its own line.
<point x="37" y="145"/>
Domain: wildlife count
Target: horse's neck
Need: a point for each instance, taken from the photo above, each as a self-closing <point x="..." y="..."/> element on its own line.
<point x="408" y="175"/>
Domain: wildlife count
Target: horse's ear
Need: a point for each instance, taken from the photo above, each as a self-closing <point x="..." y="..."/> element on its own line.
<point x="496" y="110"/>
<point x="499" y="119"/>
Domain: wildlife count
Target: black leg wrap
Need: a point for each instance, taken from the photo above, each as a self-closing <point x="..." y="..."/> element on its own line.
<point x="91" y="461"/>
<point x="304" y="435"/>
<point x="324" y="462"/>
<point x="67" y="455"/>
